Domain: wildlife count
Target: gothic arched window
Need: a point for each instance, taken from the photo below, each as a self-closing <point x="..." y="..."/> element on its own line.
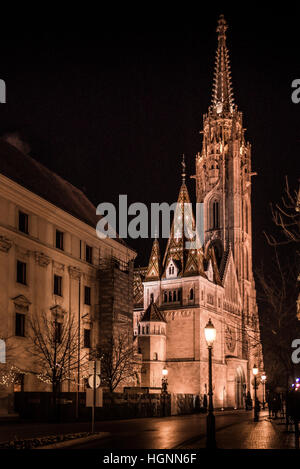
<point x="174" y="296"/>
<point x="170" y="296"/>
<point x="191" y="294"/>
<point x="165" y="297"/>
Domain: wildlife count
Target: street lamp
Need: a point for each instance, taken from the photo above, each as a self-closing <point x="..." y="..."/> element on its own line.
<point x="164" y="388"/>
<point x="263" y="379"/>
<point x="255" y="371"/>
<point x="210" y="336"/>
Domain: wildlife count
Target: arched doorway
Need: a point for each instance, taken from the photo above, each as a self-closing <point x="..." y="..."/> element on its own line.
<point x="239" y="387"/>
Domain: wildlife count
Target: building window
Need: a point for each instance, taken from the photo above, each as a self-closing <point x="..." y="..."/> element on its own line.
<point x="191" y="294"/>
<point x="23" y="222"/>
<point x="19" y="383"/>
<point x="179" y="295"/>
<point x="21" y="272"/>
<point x="170" y="296"/>
<point x="155" y="356"/>
<point x="87" y="296"/>
<point x="59" y="240"/>
<point x="88" y="254"/>
<point x="57" y="285"/>
<point x="87" y="338"/>
<point x="210" y="299"/>
<point x="20" y="325"/>
<point x="215" y="215"/>
<point x="57" y="332"/>
<point x="165" y="297"/>
<point x="171" y="270"/>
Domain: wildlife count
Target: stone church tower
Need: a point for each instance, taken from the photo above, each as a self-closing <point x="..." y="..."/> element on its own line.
<point x="177" y="294"/>
<point x="223" y="179"/>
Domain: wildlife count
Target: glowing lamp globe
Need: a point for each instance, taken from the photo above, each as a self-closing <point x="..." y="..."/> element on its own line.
<point x="165" y="372"/>
<point x="263" y="377"/>
<point x="210" y="333"/>
<point x="255" y="370"/>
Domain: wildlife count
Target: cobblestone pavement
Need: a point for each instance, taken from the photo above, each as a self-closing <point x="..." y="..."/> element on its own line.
<point x="247" y="434"/>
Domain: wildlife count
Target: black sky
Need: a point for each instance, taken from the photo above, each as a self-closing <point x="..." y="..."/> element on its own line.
<point x="113" y="111"/>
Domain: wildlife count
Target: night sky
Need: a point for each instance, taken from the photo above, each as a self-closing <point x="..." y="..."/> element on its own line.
<point x="113" y="111"/>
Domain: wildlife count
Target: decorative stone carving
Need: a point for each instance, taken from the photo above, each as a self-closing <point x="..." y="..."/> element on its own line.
<point x="230" y="338"/>
<point x="21" y="303"/>
<point x="41" y="259"/>
<point x="58" y="267"/>
<point x="57" y="311"/>
<point x="75" y="273"/>
<point x="22" y="251"/>
<point x="5" y="244"/>
<point x="89" y="278"/>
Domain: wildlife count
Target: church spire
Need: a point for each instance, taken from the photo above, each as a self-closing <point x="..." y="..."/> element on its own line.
<point x="183" y="174"/>
<point x="153" y="270"/>
<point x="222" y="94"/>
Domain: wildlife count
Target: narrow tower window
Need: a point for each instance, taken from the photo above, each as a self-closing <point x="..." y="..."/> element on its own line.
<point x="215" y="215"/>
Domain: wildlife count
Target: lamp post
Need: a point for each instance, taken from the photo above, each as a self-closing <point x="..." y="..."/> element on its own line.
<point x="255" y="371"/>
<point x="210" y="336"/>
<point x="263" y="380"/>
<point x="164" y="388"/>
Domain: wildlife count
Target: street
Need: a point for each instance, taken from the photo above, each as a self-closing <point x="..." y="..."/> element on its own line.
<point x="234" y="430"/>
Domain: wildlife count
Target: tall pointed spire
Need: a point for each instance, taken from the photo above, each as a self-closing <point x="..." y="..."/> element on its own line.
<point x="154" y="267"/>
<point x="183" y="174"/>
<point x="222" y="94"/>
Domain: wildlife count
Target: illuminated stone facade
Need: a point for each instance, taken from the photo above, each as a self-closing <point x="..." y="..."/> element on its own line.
<point x="189" y="286"/>
<point x="49" y="226"/>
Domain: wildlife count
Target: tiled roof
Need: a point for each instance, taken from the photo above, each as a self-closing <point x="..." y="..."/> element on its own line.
<point x="34" y="176"/>
<point x="152" y="314"/>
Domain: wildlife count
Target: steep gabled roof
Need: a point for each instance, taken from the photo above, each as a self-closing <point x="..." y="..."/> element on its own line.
<point x="154" y="266"/>
<point x="152" y="314"/>
<point x="182" y="232"/>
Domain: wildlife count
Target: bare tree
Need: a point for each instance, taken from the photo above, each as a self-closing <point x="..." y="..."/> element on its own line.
<point x="54" y="346"/>
<point x="286" y="217"/>
<point x="119" y="361"/>
<point x="9" y="372"/>
<point x="278" y="320"/>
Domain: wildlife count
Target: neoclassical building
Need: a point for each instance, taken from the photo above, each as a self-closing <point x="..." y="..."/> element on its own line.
<point x="52" y="262"/>
<point x="177" y="294"/>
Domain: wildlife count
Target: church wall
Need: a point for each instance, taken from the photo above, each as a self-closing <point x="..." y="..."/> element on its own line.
<point x="180" y="334"/>
<point x="184" y="377"/>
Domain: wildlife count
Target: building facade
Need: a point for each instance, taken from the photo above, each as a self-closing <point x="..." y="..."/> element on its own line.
<point x="175" y="296"/>
<point x="52" y="262"/>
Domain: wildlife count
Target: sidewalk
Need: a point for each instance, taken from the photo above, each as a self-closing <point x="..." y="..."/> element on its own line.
<point x="247" y="434"/>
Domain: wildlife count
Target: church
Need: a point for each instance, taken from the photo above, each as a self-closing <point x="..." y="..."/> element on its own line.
<point x="177" y="293"/>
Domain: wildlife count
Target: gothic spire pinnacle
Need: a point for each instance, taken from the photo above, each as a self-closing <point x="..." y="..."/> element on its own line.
<point x="183" y="174"/>
<point x="222" y="94"/>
